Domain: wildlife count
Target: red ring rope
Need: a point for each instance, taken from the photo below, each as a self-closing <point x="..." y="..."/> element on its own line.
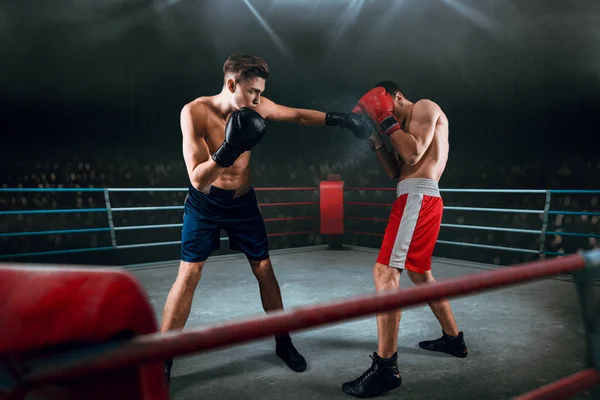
<point x="293" y="233"/>
<point x="360" y="203"/>
<point x="368" y="219"/>
<point x="365" y="233"/>
<point x="288" y="219"/>
<point x="161" y="346"/>
<point x="265" y="189"/>
<point x="373" y="189"/>
<point x="299" y="203"/>
<point x="566" y="387"/>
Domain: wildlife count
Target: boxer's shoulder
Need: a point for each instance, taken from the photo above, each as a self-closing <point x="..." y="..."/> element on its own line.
<point x="427" y="110"/>
<point x="200" y="106"/>
<point x="425" y="106"/>
<point x="195" y="116"/>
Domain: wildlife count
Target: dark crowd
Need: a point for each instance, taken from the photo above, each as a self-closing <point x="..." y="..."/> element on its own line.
<point x="570" y="172"/>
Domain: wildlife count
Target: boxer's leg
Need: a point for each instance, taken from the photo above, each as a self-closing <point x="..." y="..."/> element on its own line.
<point x="199" y="238"/>
<point x="388" y="323"/>
<point x="179" y="301"/>
<point x="452" y="340"/>
<point x="383" y="375"/>
<point x="418" y="265"/>
<point x="441" y="308"/>
<point x="270" y="293"/>
<point x="388" y="278"/>
<point x="248" y="234"/>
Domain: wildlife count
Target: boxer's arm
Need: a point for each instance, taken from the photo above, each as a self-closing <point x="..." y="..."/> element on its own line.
<point x="386" y="158"/>
<point x="276" y="112"/>
<point x="201" y="168"/>
<point x="411" y="146"/>
<point x="388" y="162"/>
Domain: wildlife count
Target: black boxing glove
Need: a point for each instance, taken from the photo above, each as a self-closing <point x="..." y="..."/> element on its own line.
<point x="356" y="122"/>
<point x="245" y="128"/>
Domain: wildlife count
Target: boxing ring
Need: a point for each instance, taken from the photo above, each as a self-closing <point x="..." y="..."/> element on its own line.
<point x="108" y="329"/>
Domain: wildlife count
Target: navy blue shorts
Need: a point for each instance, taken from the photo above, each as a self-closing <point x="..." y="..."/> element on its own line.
<point x="205" y="215"/>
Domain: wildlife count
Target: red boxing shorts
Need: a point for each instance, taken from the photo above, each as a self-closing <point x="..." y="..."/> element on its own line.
<point x="413" y="226"/>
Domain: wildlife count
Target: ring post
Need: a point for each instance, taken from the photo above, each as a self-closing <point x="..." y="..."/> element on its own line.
<point x="584" y="280"/>
<point x="113" y="238"/>
<point x="331" y="194"/>
<point x="545" y="224"/>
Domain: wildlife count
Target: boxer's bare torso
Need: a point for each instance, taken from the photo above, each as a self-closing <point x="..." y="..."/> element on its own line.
<point x="203" y="123"/>
<point x="433" y="162"/>
<point x="209" y="134"/>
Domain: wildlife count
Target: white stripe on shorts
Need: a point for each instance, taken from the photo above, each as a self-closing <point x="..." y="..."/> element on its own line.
<point x="406" y="230"/>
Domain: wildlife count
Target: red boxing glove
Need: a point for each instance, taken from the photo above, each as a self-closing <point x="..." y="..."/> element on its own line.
<point x="379" y="105"/>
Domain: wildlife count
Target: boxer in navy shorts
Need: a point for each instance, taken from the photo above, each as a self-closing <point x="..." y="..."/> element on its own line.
<point x="218" y="134"/>
<point x="236" y="212"/>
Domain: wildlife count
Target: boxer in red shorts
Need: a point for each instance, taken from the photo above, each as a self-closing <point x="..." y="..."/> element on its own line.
<point x="418" y="133"/>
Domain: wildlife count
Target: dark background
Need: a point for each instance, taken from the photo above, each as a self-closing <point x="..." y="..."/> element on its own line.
<point x="91" y="91"/>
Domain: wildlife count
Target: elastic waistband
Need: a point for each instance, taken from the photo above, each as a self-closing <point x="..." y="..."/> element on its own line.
<point x="424" y="186"/>
<point x="226" y="194"/>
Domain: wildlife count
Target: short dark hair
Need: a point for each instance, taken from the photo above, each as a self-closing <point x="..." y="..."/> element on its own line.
<point x="245" y="66"/>
<point x="390" y="87"/>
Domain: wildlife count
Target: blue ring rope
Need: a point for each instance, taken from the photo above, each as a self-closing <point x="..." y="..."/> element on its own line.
<point x="522" y="191"/>
<point x="152" y="208"/>
<point x="593" y="213"/>
<point x="124" y="246"/>
<point x="507" y="191"/>
<point x="86" y="210"/>
<point x="594" y="235"/>
<point x="491" y="228"/>
<point x="147" y="189"/>
<point x="567" y="191"/>
<point x="137" y="227"/>
<point x="59" y="211"/>
<point x="51" y="190"/>
<point x="506" y="210"/>
<point x="44" y="253"/>
<point x="55" y="232"/>
<point x="138" y="245"/>
<point x="488" y="246"/>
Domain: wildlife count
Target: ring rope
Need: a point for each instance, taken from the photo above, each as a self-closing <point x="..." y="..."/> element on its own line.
<point x="565" y="387"/>
<point x="162" y="346"/>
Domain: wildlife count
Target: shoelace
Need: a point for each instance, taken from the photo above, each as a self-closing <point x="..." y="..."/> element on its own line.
<point x="366" y="374"/>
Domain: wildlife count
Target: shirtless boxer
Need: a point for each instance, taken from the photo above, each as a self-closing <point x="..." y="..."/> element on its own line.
<point x="418" y="133"/>
<point x="218" y="133"/>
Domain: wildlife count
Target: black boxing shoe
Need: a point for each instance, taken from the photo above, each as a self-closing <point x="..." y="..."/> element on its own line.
<point x="168" y="366"/>
<point x="382" y="377"/>
<point x="284" y="348"/>
<point x="447" y="344"/>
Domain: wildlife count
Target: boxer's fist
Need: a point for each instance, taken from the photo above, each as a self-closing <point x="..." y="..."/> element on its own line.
<point x="375" y="141"/>
<point x="359" y="124"/>
<point x="379" y="105"/>
<point x="245" y="128"/>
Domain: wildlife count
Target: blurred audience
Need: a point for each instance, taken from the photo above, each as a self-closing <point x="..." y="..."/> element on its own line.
<point x="128" y="172"/>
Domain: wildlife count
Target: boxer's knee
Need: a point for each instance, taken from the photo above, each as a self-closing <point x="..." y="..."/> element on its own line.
<point x="262" y="269"/>
<point x="386" y="277"/>
<point x="420" y="277"/>
<point x="261" y="265"/>
<point x="190" y="273"/>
